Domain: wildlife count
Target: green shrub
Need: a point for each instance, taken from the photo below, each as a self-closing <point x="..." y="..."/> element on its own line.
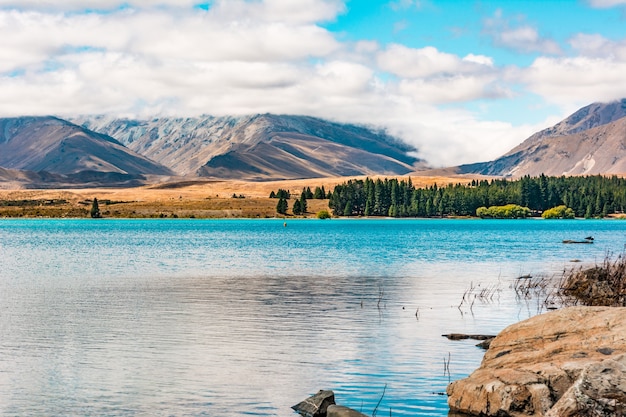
<point x="558" y="212"/>
<point x="509" y="211"/>
<point x="323" y="214"/>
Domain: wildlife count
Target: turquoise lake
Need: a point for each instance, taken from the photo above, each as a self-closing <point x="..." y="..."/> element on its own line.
<point x="249" y="317"/>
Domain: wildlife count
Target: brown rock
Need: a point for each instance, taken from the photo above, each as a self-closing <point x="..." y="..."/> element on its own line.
<point x="532" y="364"/>
<point x="341" y="411"/>
<point x="485" y="343"/>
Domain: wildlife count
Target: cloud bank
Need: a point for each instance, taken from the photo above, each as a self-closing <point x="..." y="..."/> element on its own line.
<point x="144" y="58"/>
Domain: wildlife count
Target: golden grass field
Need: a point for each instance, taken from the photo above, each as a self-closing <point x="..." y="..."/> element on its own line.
<point x="184" y="199"/>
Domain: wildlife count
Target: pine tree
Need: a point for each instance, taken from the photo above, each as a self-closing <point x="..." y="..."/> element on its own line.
<point x="347" y="211"/>
<point x="297" y="208"/>
<point x="95" y="209"/>
<point x="303" y="205"/>
<point x="319" y="194"/>
<point x="281" y="207"/>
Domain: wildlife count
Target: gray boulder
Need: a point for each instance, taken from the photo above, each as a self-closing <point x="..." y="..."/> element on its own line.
<point x="599" y="391"/>
<point x="315" y="405"/>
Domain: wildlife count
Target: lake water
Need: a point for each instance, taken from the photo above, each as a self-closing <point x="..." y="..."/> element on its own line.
<point x="249" y="317"/>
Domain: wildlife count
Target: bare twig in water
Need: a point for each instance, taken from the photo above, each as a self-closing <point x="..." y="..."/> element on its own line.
<point x="381" y="398"/>
<point x="446" y="367"/>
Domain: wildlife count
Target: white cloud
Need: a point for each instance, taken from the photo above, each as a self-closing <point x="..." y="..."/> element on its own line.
<point x="520" y="37"/>
<point x="451" y="89"/>
<point x="430" y="76"/>
<point x="399" y="5"/>
<point x="598" y="46"/>
<point x="526" y="39"/>
<point x="268" y="10"/>
<point x="479" y="59"/>
<point x="30" y="37"/>
<point x="573" y="82"/>
<point x="452" y="136"/>
<point x="425" y="62"/>
<point x="294" y="12"/>
<point x="415" y="63"/>
<point x="603" y="4"/>
<point x="73" y="5"/>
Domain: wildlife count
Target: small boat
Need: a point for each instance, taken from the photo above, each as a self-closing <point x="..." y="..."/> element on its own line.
<point x="578" y="241"/>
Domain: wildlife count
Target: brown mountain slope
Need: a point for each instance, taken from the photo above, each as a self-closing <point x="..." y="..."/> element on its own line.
<point x="59" y="147"/>
<point x="259" y="147"/>
<point x="590" y="141"/>
<point x="15" y="179"/>
<point x="588" y="117"/>
<point x="291" y="155"/>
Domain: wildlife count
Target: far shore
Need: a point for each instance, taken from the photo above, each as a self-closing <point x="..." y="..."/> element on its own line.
<point x="197" y="198"/>
<point x="180" y="199"/>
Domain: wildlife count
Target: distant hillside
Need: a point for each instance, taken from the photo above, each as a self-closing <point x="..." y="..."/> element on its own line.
<point x="51" y="146"/>
<point x="590" y="141"/>
<point x="259" y="147"/>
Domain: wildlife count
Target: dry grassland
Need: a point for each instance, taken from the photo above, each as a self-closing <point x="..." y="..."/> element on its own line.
<point x="183" y="199"/>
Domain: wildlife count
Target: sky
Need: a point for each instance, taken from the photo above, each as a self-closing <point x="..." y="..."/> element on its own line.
<point x="462" y="81"/>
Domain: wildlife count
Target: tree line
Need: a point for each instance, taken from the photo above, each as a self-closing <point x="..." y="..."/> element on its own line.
<point x="588" y="196"/>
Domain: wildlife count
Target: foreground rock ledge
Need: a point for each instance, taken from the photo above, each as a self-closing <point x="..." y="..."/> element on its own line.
<point x="569" y="362"/>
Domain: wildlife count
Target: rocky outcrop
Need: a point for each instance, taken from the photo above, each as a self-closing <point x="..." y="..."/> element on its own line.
<point x="569" y="359"/>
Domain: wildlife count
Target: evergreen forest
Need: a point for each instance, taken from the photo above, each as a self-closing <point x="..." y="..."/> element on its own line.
<point x="588" y="196"/>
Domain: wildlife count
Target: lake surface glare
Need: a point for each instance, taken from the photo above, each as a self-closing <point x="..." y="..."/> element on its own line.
<point x="249" y="317"/>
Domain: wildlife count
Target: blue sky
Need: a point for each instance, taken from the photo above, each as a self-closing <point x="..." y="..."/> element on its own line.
<point x="463" y="81"/>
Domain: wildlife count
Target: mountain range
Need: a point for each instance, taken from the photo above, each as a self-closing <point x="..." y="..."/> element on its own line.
<point x="49" y="152"/>
<point x="259" y="147"/>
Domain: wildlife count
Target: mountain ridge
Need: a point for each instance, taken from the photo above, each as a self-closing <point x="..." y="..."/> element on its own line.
<point x="590" y="141"/>
<point x="260" y="147"/>
<point x="57" y="146"/>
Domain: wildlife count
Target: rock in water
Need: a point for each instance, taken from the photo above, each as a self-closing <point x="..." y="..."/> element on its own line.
<point x="316" y="405"/>
<point x="531" y="365"/>
<point x="341" y="411"/>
